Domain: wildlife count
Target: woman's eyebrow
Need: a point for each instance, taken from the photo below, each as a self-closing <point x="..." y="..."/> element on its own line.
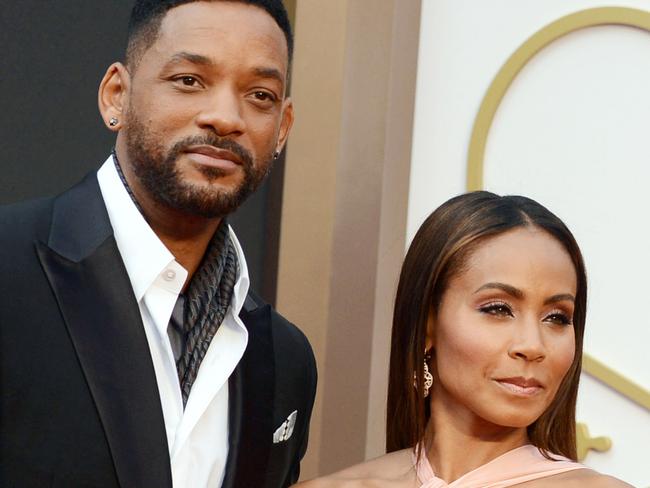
<point x="509" y="289"/>
<point x="517" y="293"/>
<point x="560" y="297"/>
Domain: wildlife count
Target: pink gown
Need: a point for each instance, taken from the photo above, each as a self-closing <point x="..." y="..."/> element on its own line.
<point x="525" y="463"/>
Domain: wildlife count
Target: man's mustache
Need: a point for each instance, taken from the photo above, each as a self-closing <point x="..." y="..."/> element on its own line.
<point x="216" y="142"/>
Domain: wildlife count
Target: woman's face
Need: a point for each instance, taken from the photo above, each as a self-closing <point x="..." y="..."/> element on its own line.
<point x="503" y="336"/>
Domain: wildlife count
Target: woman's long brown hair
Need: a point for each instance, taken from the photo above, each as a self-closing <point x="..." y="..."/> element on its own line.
<point x="438" y="252"/>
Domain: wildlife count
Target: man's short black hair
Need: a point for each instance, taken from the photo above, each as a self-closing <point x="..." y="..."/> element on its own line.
<point x="147" y="15"/>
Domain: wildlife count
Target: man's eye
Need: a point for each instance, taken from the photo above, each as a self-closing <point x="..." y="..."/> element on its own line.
<point x="188" y="81"/>
<point x="264" y="96"/>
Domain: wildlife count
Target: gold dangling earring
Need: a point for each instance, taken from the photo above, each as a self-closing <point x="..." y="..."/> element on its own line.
<point x="427" y="377"/>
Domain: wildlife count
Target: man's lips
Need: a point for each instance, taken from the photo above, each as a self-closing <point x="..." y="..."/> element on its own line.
<point x="215" y="157"/>
<point x="520" y="386"/>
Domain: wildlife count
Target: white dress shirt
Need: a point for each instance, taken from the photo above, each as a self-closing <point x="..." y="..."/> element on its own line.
<point x="197" y="436"/>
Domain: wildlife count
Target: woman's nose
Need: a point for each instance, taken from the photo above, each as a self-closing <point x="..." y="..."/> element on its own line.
<point x="528" y="341"/>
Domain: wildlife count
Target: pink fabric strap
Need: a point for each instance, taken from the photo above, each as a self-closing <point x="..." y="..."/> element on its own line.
<point x="525" y="463"/>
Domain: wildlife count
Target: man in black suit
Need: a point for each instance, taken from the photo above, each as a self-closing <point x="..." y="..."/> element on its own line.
<point x="132" y="353"/>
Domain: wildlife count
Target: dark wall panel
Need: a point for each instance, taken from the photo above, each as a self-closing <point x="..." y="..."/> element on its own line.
<point x="54" y="54"/>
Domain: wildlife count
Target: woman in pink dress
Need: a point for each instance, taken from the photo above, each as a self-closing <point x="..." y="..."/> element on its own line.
<point x="485" y="356"/>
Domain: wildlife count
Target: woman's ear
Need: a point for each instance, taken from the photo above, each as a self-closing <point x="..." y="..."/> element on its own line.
<point x="113" y="94"/>
<point x="430" y="340"/>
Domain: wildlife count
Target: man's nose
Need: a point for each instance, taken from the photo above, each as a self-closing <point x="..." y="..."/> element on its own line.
<point x="221" y="113"/>
<point x="528" y="341"/>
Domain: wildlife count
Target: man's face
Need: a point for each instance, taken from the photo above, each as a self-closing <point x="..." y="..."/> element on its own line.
<point x="206" y="108"/>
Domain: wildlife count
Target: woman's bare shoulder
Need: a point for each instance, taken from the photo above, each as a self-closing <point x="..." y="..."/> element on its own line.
<point x="597" y="480"/>
<point x="577" y="479"/>
<point x="394" y="470"/>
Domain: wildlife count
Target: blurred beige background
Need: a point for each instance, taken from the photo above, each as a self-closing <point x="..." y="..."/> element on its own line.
<point x="386" y="93"/>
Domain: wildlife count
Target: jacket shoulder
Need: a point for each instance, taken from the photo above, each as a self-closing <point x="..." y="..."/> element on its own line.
<point x="17" y="213"/>
<point x="285" y="330"/>
<point x="286" y="335"/>
<point x="26" y="220"/>
<point x="292" y="350"/>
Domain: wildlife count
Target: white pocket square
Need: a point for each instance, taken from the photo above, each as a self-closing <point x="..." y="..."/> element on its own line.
<point x="286" y="429"/>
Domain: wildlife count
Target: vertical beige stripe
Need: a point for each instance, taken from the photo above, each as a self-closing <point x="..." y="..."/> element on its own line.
<point x="310" y="178"/>
<point x="344" y="209"/>
<point x="399" y="110"/>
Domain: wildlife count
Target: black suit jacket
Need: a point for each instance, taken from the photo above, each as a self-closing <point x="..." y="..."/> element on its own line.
<point x="79" y="404"/>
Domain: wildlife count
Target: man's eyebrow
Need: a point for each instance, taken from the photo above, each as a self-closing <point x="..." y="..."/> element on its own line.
<point x="509" y="289"/>
<point x="262" y="72"/>
<point x="269" y="73"/>
<point x="191" y="57"/>
<point x="561" y="297"/>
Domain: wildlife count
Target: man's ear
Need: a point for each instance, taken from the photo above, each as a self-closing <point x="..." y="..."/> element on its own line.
<point x="113" y="95"/>
<point x="285" y="124"/>
<point x="430" y="340"/>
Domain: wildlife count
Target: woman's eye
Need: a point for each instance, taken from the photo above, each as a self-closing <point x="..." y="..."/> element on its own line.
<point x="558" y="318"/>
<point x="497" y="309"/>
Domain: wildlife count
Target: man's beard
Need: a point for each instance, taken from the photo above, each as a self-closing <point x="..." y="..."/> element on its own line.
<point x="157" y="173"/>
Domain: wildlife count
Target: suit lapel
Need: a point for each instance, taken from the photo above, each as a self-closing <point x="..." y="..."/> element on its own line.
<point x="87" y="275"/>
<point x="251" y="401"/>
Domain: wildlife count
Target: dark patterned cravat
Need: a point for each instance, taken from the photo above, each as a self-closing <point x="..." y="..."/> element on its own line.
<point x="207" y="299"/>
<point x="126" y="185"/>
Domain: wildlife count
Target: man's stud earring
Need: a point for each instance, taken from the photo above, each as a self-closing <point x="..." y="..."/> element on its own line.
<point x="113" y="122"/>
<point x="276" y="154"/>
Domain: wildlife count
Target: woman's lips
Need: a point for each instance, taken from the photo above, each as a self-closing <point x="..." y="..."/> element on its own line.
<point x="520" y="386"/>
<point x="213" y="157"/>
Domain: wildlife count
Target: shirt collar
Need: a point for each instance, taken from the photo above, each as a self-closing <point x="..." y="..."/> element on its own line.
<point x="143" y="253"/>
<point x="243" y="281"/>
<point x="145" y="256"/>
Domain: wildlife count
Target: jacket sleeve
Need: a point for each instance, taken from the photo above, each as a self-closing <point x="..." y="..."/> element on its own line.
<point x="294" y="471"/>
